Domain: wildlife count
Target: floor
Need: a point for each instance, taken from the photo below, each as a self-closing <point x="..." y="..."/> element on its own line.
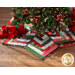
<point x="18" y="57"/>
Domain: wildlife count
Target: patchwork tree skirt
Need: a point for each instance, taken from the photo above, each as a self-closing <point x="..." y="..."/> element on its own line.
<point x="63" y="39"/>
<point x="22" y="40"/>
<point x="41" y="46"/>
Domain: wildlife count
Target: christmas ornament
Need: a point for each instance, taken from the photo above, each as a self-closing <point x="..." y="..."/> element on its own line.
<point x="59" y="16"/>
<point x="48" y="21"/>
<point x="38" y="8"/>
<point x="46" y="11"/>
<point x="35" y="20"/>
<point x="14" y="16"/>
<point x="27" y="21"/>
<point x="74" y="11"/>
<point x="25" y="11"/>
<point x="65" y="8"/>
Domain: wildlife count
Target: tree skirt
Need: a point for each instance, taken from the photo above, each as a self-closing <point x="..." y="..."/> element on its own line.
<point x="63" y="39"/>
<point x="22" y="40"/>
<point x="41" y="46"/>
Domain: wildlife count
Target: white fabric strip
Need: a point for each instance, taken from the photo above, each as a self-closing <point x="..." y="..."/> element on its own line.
<point x="23" y="40"/>
<point x="72" y="35"/>
<point x="0" y="28"/>
<point x="35" y="49"/>
<point x="65" y="35"/>
<point x="21" y="44"/>
<point x="44" y="36"/>
<point x="37" y="40"/>
<point x="58" y="37"/>
<point x="50" y="43"/>
<point x="30" y="33"/>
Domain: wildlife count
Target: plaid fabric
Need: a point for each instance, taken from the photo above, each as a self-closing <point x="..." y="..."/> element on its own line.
<point x="23" y="40"/>
<point x="41" y="46"/>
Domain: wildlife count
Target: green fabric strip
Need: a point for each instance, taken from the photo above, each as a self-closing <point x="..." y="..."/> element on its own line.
<point x="29" y="26"/>
<point x="45" y="39"/>
<point x="36" y="46"/>
<point x="62" y="41"/>
<point x="16" y="25"/>
<point x="31" y="50"/>
<point x="11" y="40"/>
<point x="29" y="35"/>
<point x="61" y="35"/>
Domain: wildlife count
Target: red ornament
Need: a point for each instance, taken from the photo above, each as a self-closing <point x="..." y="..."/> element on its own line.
<point x="59" y="16"/>
<point x="35" y="20"/>
<point x="14" y="16"/>
<point x="25" y="11"/>
<point x="73" y="28"/>
<point x="74" y="11"/>
<point x="38" y="8"/>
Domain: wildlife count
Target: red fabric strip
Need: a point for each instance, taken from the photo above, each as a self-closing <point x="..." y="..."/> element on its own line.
<point x="36" y="43"/>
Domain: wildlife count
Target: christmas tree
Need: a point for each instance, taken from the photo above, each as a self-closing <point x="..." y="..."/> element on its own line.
<point x="43" y="19"/>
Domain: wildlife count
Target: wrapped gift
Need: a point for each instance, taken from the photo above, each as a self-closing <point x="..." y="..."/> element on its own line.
<point x="21" y="29"/>
<point x="3" y="32"/>
<point x="13" y="33"/>
<point x="10" y="27"/>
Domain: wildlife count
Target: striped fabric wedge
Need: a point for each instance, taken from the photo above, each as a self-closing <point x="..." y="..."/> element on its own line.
<point x="41" y="46"/>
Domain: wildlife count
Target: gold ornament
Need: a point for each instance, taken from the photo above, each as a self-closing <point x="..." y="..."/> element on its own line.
<point x="54" y="11"/>
<point x="38" y="11"/>
<point x="56" y="8"/>
<point x="43" y="9"/>
<point x="19" y="17"/>
<point x="64" y="16"/>
<point x="41" y="23"/>
<point x="65" y="12"/>
<point x="53" y="16"/>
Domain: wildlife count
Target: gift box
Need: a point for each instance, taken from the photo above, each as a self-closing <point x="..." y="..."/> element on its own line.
<point x="3" y="32"/>
<point x="13" y="33"/>
<point x="10" y="27"/>
<point x="21" y="29"/>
